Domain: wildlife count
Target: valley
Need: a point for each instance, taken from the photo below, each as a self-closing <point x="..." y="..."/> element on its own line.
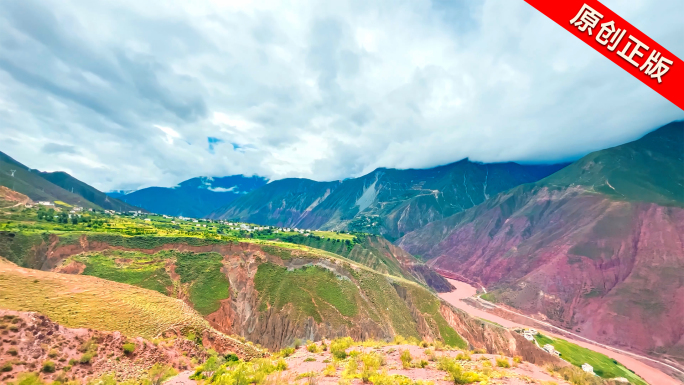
<point x="588" y="253"/>
<point x="508" y="319"/>
<point x="269" y="291"/>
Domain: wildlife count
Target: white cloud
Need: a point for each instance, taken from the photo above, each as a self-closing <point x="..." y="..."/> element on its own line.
<point x="170" y="133"/>
<point x="317" y="89"/>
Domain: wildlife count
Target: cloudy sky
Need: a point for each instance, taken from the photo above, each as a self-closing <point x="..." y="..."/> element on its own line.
<point x="127" y="94"/>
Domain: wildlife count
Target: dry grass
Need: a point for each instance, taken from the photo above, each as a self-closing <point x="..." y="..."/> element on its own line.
<point x="88" y="302"/>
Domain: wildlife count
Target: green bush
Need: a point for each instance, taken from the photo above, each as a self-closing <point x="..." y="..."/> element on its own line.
<point x="86" y="358"/>
<point x="128" y="348"/>
<point x="339" y="347"/>
<point x="231" y="357"/>
<point x="405" y="359"/>
<point x="48" y="367"/>
<point x="287" y="352"/>
<point x="312" y="347"/>
<point x="6" y="367"/>
<point x="503" y="362"/>
<point x="12" y="351"/>
<point x="456" y="373"/>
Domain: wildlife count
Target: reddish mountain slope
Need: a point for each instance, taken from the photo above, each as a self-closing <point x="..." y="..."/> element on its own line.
<point x="610" y="265"/>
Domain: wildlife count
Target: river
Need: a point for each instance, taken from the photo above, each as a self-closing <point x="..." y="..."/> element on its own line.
<point x="652" y="375"/>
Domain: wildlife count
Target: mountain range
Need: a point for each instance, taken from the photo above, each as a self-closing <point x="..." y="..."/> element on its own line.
<point x="55" y="186"/>
<point x="195" y="198"/>
<point x="387" y="201"/>
<point x="597" y="248"/>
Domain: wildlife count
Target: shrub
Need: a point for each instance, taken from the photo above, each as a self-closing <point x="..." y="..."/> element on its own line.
<point x="128" y="348"/>
<point x="503" y="362"/>
<point x="53" y="353"/>
<point x="281" y="365"/>
<point x="463" y="357"/>
<point x="351" y="369"/>
<point x="420" y="364"/>
<point x="405" y="359"/>
<point x="517" y="359"/>
<point x="86" y="358"/>
<point x="339" y="347"/>
<point x="456" y="373"/>
<point x="231" y="357"/>
<point x="12" y="351"/>
<point x="330" y="371"/>
<point x="6" y="367"/>
<point x="287" y="352"/>
<point x="309" y="359"/>
<point x="312" y="347"/>
<point x="48" y="367"/>
<point x="72" y="362"/>
<point x="159" y="373"/>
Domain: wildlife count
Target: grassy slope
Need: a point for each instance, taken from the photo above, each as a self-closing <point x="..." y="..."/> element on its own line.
<point x="311" y="291"/>
<point x="90" y="302"/>
<point x="200" y="274"/>
<point x="383" y="301"/>
<point x="603" y="365"/>
<point x="136" y="269"/>
<point x="362" y="252"/>
<point x="646" y="170"/>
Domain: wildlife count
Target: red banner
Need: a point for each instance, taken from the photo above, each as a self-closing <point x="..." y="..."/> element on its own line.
<point x="620" y="42"/>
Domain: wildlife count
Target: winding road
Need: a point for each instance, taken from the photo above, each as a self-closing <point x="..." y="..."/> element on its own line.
<point x="631" y="360"/>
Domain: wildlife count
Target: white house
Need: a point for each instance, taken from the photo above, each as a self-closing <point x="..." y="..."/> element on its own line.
<point x="587" y="368"/>
<point x="147" y="220"/>
<point x="551" y="350"/>
<point x="46" y="203"/>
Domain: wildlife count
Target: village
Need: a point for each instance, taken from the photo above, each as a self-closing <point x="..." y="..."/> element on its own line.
<point x="62" y="212"/>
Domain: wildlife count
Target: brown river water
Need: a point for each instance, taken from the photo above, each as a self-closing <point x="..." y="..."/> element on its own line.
<point x="652" y="375"/>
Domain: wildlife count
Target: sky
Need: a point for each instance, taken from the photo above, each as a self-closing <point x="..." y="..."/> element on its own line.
<point x="128" y="94"/>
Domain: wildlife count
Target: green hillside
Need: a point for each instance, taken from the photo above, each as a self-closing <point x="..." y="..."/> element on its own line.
<point x="54" y="186"/>
<point x="71" y="184"/>
<point x="650" y="169"/>
<point x="389" y="202"/>
<point x="32" y="184"/>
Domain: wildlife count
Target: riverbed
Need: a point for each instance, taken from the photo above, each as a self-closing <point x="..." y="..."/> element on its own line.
<point x="463" y="290"/>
